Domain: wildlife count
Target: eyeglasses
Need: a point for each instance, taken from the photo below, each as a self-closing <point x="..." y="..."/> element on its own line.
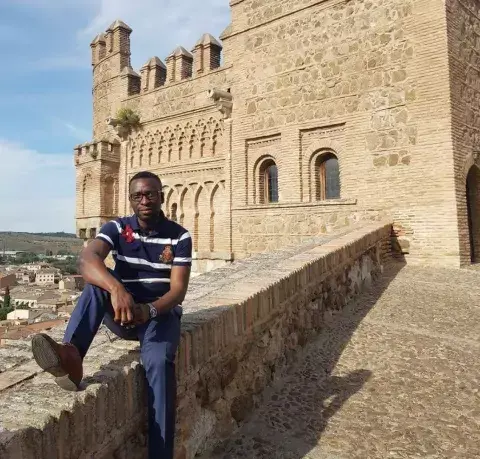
<point x="150" y="195"/>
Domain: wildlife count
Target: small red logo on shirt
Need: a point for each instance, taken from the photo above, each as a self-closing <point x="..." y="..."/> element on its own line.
<point x="167" y="254"/>
<point x="127" y="234"/>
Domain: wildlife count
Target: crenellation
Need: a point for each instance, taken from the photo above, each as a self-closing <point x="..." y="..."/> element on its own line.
<point x="179" y="65"/>
<point x="120" y="39"/>
<point x="153" y="74"/>
<point x="131" y="81"/>
<point x="207" y="54"/>
<point x="99" y="48"/>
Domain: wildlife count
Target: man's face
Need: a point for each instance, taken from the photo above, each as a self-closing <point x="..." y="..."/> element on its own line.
<point x="146" y="198"/>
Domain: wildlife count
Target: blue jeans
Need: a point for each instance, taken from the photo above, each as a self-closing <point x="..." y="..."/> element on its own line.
<point x="159" y="340"/>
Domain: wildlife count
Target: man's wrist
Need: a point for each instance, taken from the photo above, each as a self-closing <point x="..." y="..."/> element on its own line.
<point x="152" y="310"/>
<point x="115" y="287"/>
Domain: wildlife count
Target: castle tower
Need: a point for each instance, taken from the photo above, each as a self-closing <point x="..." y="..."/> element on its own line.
<point x="97" y="188"/>
<point x="98" y="162"/>
<point x="111" y="83"/>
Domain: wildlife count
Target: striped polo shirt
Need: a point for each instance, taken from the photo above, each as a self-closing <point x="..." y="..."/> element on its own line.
<point x="144" y="261"/>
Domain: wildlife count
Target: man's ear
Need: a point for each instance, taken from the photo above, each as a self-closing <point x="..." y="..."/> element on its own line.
<point x="162" y="197"/>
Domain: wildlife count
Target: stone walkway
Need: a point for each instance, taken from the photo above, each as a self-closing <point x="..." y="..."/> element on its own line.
<point x="396" y="375"/>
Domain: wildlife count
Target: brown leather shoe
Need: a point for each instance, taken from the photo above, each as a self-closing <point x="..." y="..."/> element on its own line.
<point x="61" y="360"/>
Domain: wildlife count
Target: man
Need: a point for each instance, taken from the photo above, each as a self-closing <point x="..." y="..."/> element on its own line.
<point x="140" y="300"/>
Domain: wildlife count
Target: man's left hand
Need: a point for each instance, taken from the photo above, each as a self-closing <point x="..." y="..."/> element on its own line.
<point x="141" y="313"/>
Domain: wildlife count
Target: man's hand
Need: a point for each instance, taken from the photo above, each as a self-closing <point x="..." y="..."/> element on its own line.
<point x="123" y="304"/>
<point x="141" y="313"/>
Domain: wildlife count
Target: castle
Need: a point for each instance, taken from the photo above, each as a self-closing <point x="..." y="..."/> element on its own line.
<point x="308" y="116"/>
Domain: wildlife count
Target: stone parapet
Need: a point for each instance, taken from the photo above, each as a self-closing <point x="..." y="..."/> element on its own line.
<point x="242" y="328"/>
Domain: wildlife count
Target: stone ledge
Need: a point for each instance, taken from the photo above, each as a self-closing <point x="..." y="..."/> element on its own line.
<point x="288" y="205"/>
<point x="236" y="339"/>
<point x="226" y="256"/>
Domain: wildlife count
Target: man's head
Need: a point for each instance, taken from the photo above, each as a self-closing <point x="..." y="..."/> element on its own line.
<point x="146" y="197"/>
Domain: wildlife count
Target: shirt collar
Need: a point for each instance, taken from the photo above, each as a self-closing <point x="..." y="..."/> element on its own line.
<point x="136" y="227"/>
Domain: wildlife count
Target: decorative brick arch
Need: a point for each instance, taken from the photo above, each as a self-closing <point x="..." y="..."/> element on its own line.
<point x="86" y="180"/>
<point x="199" y="229"/>
<point x="141" y="153"/>
<point x="472" y="201"/>
<point x="219" y="218"/>
<point x="217" y="135"/>
<point x="187" y="214"/>
<point x="259" y="185"/>
<point x="110" y="195"/>
<point x="131" y="154"/>
<point x="168" y="194"/>
<point x="315" y="159"/>
<point x="470" y="160"/>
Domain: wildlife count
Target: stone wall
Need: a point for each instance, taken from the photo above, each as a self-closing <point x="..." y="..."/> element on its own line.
<point x="243" y="326"/>
<point x="258" y="229"/>
<point x="463" y="18"/>
<point x="367" y="81"/>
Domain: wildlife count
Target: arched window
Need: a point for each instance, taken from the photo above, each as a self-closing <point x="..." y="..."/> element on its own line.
<point x="327" y="177"/>
<point x="173" y="212"/>
<point x="268" y="186"/>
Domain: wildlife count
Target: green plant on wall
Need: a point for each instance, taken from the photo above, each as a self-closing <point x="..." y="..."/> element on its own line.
<point x="127" y="120"/>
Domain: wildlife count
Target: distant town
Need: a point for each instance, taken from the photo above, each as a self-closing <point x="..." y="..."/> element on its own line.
<point x="37" y="291"/>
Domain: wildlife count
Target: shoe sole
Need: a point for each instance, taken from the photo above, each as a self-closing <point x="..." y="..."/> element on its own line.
<point x="44" y="353"/>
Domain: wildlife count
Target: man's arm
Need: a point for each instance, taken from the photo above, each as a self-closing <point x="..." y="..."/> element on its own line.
<point x="92" y="268"/>
<point x="179" y="279"/>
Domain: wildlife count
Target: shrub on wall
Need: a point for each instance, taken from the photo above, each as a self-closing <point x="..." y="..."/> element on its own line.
<point x="127" y="119"/>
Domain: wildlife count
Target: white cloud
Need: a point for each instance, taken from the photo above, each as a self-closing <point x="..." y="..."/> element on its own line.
<point x="160" y="26"/>
<point x="37" y="190"/>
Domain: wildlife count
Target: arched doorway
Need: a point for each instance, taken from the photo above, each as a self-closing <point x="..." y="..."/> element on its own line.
<point x="473" y="212"/>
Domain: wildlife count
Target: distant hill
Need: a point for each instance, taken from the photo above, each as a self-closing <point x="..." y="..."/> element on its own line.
<point x="40" y="242"/>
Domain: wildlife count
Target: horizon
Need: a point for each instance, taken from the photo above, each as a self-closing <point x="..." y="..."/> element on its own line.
<point x="45" y="97"/>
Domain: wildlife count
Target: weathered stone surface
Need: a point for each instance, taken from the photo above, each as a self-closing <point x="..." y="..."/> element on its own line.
<point x="243" y="327"/>
<point x="395" y="374"/>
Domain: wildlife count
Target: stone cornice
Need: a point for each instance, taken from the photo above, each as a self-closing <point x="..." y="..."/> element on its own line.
<point x="295" y="205"/>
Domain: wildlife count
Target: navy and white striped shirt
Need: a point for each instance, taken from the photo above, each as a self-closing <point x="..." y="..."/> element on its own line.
<point x="144" y="262"/>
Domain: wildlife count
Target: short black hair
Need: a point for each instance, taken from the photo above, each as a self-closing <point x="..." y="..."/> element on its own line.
<point x="145" y="175"/>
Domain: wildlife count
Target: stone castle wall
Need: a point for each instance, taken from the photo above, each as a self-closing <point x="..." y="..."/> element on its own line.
<point x="183" y="140"/>
<point x="368" y="82"/>
<point x="243" y="326"/>
<point x="365" y="80"/>
<point x="463" y="18"/>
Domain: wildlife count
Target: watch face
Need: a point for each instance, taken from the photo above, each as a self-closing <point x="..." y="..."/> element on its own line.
<point x="153" y="311"/>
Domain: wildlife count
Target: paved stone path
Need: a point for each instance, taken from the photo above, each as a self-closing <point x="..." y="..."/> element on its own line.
<point x="396" y="375"/>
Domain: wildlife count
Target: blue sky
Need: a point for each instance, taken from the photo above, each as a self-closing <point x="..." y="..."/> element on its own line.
<point x="45" y="90"/>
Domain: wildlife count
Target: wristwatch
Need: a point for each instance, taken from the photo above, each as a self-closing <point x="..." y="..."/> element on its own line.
<point x="153" y="310"/>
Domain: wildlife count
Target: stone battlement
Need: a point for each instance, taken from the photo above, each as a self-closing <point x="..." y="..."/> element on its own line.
<point x="242" y="327"/>
<point x="97" y="149"/>
<point x="179" y="65"/>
